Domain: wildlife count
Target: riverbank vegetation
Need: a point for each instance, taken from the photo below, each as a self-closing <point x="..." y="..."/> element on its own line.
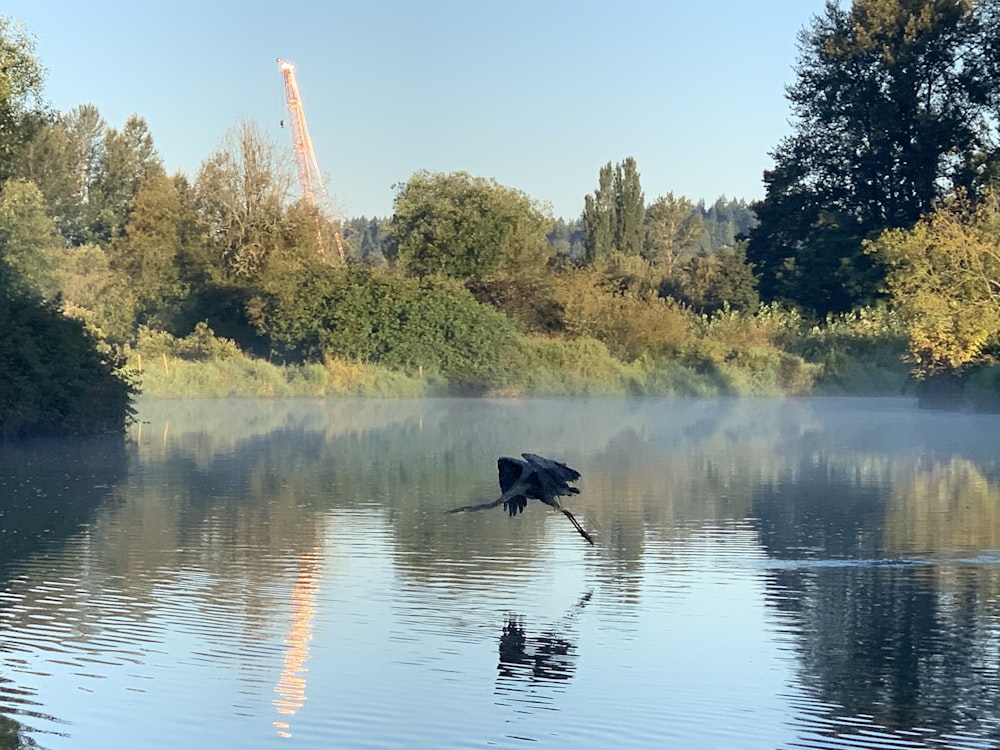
<point x="869" y="267"/>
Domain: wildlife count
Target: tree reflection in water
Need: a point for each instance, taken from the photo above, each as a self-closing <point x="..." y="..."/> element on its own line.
<point x="529" y="665"/>
<point x="13" y="735"/>
<point x="10" y="734"/>
<point x="893" y="586"/>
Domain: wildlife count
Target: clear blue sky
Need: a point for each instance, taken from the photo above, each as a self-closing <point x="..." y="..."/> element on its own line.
<point x="537" y="94"/>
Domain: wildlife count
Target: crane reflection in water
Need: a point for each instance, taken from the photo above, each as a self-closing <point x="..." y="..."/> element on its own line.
<point x="291" y="687"/>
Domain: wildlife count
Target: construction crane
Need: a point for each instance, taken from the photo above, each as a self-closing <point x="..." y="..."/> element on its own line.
<point x="310" y="180"/>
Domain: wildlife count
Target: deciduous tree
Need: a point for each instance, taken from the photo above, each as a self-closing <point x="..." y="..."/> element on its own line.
<point x="599" y="218"/>
<point x="460" y="226"/>
<point x="21" y="80"/>
<point x="630" y="205"/>
<point x="710" y="281"/>
<point x="944" y="276"/>
<point x="78" y="174"/>
<point x="892" y="104"/>
<point x="613" y="215"/>
<point x="96" y="293"/>
<point x="243" y="189"/>
<point x="673" y="230"/>
<point x="28" y="239"/>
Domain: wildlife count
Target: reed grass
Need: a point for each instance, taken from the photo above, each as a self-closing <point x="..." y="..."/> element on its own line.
<point x="767" y="353"/>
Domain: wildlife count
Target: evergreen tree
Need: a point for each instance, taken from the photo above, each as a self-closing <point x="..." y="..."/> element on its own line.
<point x="147" y="252"/>
<point x="44" y="162"/>
<point x="566" y="239"/>
<point x="372" y="241"/>
<point x="725" y="222"/>
<point x="129" y="157"/>
<point x="89" y="172"/>
<point x="367" y="239"/>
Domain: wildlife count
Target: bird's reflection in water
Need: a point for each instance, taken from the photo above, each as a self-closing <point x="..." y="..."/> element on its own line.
<point x="531" y="667"/>
<point x="547" y="657"/>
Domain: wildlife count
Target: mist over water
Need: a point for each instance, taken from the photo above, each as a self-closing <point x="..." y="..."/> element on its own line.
<point x="787" y="573"/>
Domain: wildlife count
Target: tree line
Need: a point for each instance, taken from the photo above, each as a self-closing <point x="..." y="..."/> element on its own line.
<point x="886" y="180"/>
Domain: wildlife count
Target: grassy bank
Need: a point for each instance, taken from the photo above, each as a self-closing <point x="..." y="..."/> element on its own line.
<point x="727" y="354"/>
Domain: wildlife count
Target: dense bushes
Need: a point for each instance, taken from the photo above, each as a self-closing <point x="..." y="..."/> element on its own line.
<point x="771" y="352"/>
<point x="859" y="353"/>
<point x="527" y="299"/>
<point x="402" y="323"/>
<point x="54" y="378"/>
<point x="616" y="303"/>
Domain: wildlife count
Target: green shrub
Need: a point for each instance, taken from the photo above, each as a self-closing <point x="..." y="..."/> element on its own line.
<point x="577" y="367"/>
<point x="861" y="352"/>
<point x="55" y="379"/>
<point x="198" y="346"/>
<point x="982" y="389"/>
<point x="524" y="298"/>
<point x="404" y="324"/>
<point x="627" y="316"/>
<point x="675" y="378"/>
<point x="585" y="366"/>
<point x="767" y="372"/>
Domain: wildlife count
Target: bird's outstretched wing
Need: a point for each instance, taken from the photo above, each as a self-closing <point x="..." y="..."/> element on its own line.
<point x="552" y="476"/>
<point x="555" y="468"/>
<point x="510" y="471"/>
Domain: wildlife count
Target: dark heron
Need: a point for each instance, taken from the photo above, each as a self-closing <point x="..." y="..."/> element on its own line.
<point x="537" y="477"/>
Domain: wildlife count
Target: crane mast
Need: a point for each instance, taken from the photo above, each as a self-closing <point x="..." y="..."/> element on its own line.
<point x="310" y="179"/>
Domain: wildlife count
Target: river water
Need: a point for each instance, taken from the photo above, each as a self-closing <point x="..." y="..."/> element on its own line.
<point x="256" y="574"/>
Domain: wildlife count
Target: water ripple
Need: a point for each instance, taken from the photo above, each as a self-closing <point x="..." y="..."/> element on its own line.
<point x="291" y="577"/>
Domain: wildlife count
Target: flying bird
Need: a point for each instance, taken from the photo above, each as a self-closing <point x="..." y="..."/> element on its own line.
<point x="537" y="477"/>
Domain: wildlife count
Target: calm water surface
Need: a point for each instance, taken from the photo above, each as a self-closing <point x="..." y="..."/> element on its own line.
<point x="260" y="574"/>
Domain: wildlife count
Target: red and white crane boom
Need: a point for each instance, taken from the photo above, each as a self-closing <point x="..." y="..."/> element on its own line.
<point x="310" y="179"/>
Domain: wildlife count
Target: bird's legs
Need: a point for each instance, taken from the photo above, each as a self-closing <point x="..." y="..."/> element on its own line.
<point x="516" y="490"/>
<point x="576" y="523"/>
